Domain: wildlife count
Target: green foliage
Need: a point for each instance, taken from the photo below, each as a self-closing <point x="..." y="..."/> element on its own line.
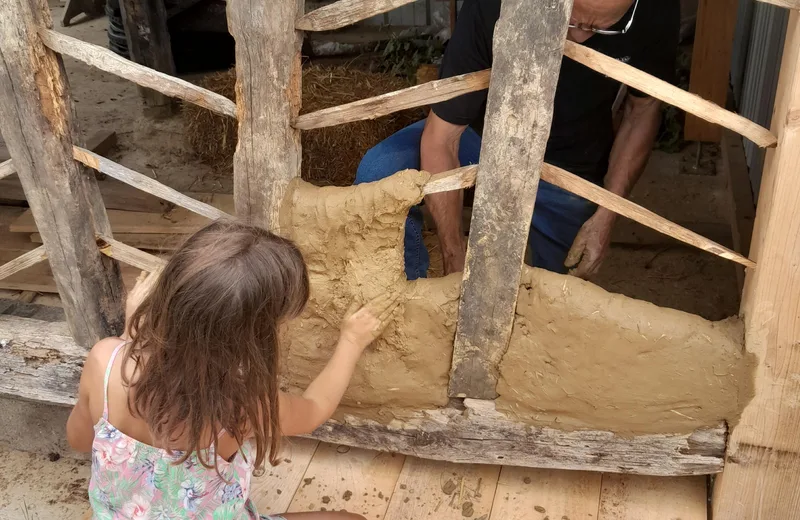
<point x="402" y="57"/>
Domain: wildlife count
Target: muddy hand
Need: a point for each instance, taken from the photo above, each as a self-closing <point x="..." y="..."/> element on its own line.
<point x="362" y="326"/>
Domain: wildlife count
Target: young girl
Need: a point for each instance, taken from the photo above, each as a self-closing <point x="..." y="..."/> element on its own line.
<point x="180" y="412"/>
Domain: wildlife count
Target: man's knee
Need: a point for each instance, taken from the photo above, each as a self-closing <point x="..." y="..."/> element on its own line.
<point x="399" y="151"/>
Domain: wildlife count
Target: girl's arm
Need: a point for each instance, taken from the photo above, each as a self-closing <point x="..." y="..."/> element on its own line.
<point x="303" y="414"/>
<point x="80" y="425"/>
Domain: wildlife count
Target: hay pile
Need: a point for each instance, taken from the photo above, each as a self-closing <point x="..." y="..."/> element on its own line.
<point x="330" y="155"/>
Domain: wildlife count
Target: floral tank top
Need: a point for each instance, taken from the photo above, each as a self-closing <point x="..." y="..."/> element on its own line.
<point x="133" y="480"/>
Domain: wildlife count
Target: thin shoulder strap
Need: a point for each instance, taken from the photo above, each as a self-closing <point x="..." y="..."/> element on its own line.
<point x="107" y="376"/>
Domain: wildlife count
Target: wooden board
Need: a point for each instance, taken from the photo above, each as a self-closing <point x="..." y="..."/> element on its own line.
<point x="272" y="492"/>
<point x="175" y="222"/>
<point x="268" y="79"/>
<point x="740" y="191"/>
<point x="443" y="491"/>
<point x="339" y="477"/>
<point x="528" y="44"/>
<point x="762" y="476"/>
<point x="711" y="63"/>
<point x="535" y="494"/>
<point x="37" y="125"/>
<point x="653" y="498"/>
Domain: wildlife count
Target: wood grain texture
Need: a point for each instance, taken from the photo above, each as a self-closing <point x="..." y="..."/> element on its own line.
<point x="151" y="242"/>
<point x="272" y="492"/>
<point x="525" y="493"/>
<point x="149" y="44"/>
<point x="668" y="93"/>
<point x="345" y="12"/>
<point x="145" y="183"/>
<point x="465" y="177"/>
<point x="23" y="262"/>
<point x="624" y="497"/>
<point x="37" y="125"/>
<point x="742" y="204"/>
<point x="108" y="61"/>
<point x="130" y="255"/>
<point x="762" y="477"/>
<point x="633" y="211"/>
<point x="443" y="490"/>
<point x="411" y="97"/>
<point x="481" y="435"/>
<point x="268" y="80"/>
<point x="711" y="63"/>
<point x="364" y="481"/>
<point x="528" y="43"/>
<point x="7" y="168"/>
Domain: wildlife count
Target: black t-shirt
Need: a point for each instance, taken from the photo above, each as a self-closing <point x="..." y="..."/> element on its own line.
<point x="582" y="132"/>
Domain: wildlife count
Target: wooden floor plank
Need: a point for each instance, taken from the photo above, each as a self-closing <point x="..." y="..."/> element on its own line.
<point x="636" y="497"/>
<point x="272" y="492"/>
<point x="443" y="491"/>
<point x="536" y="494"/>
<point x="356" y="480"/>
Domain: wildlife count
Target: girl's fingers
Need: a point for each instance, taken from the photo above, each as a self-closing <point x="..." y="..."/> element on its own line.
<point x="354" y="306"/>
<point x="389" y="310"/>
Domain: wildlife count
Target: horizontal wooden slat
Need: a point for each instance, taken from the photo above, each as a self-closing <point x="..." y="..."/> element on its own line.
<point x="374" y="107"/>
<point x="482" y="435"/>
<point x="668" y="93"/>
<point x="145" y="183"/>
<point x="6" y="169"/>
<point x="345" y="12"/>
<point x="108" y="61"/>
<point x="457" y="179"/>
<point x="465" y="176"/>
<point x="22" y="262"/>
<point x="130" y="255"/>
<point x="789" y="4"/>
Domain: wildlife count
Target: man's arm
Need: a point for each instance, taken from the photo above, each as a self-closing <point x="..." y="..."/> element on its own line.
<point x="439" y="153"/>
<point x="629" y="154"/>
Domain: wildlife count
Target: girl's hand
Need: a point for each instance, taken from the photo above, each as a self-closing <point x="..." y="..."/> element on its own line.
<point x="363" y="326"/>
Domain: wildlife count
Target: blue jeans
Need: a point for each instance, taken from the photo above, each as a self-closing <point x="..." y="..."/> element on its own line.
<point x="557" y="217"/>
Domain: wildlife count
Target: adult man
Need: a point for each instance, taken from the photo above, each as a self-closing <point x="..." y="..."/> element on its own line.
<point x="567" y="231"/>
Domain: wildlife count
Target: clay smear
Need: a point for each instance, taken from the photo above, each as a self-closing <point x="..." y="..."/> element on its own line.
<point x="579" y="358"/>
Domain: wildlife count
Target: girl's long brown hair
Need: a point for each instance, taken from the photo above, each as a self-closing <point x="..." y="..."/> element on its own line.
<point x="205" y="340"/>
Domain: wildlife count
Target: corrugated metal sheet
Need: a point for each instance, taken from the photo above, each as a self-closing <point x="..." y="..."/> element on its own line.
<point x="760" y="34"/>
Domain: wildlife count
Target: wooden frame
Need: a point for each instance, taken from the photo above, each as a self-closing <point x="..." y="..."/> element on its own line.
<point x="76" y="234"/>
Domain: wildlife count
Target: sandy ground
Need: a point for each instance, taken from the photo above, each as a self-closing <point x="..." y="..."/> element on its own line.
<point x="34" y="487"/>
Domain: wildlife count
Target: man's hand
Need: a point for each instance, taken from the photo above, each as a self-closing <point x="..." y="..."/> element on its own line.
<point x="591" y="244"/>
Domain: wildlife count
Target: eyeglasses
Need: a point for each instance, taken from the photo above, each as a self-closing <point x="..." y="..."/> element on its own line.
<point x="606" y="32"/>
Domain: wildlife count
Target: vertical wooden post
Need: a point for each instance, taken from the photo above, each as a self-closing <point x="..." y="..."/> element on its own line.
<point x="149" y="44"/>
<point x="37" y="125"/>
<point x="711" y="63"/>
<point x="528" y="45"/>
<point x="268" y="82"/>
<point x="761" y="478"/>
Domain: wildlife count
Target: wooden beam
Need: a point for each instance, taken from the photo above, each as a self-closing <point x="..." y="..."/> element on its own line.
<point x="45" y="366"/>
<point x="149" y="44"/>
<point x="481" y="435"/>
<point x="789" y="4"/>
<point x="345" y="12"/>
<point x="145" y="183"/>
<point x="762" y="477"/>
<point x="528" y="43"/>
<point x="668" y="93"/>
<point x="22" y="262"/>
<point x="130" y="255"/>
<point x="465" y="176"/>
<point x="268" y="79"/>
<point x="108" y="61"/>
<point x="711" y="63"/>
<point x="37" y="124"/>
<point x="740" y="191"/>
<point x="378" y="106"/>
<point x="633" y="211"/>
<point x="7" y="168"/>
